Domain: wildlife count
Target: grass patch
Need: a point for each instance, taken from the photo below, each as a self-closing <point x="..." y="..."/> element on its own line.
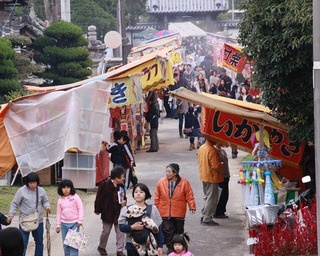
<point x="7" y="194"/>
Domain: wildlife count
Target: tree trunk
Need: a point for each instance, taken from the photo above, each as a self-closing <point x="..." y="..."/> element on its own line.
<point x="52" y="10"/>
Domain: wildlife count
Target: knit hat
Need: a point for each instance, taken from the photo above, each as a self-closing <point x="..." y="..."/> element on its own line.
<point x="175" y="167"/>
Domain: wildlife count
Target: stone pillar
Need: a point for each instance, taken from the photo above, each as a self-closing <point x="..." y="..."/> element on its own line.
<point x="96" y="49"/>
<point x="65" y="10"/>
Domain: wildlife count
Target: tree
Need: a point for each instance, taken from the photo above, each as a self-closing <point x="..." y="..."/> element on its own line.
<point x="8" y="73"/>
<point x="277" y="36"/>
<point x="52" y="9"/>
<point x="61" y="49"/>
<point x="86" y="13"/>
<point x="22" y="60"/>
<point x="100" y="13"/>
<point x="135" y="9"/>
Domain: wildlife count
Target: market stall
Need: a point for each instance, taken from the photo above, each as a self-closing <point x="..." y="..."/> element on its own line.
<point x="38" y="129"/>
<point x="234" y="122"/>
<point x="69" y="109"/>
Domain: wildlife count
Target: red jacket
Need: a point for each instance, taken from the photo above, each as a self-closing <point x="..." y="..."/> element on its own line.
<point x="176" y="206"/>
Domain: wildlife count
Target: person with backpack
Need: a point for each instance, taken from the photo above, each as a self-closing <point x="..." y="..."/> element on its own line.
<point x="142" y="223"/>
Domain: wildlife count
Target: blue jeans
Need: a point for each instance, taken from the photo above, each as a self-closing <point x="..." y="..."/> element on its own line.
<point x="38" y="239"/>
<point x="68" y="251"/>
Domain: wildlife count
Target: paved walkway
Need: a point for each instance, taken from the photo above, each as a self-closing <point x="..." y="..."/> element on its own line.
<point x="228" y="239"/>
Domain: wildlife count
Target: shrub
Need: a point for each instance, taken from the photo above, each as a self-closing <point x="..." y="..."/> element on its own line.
<point x="289" y="236"/>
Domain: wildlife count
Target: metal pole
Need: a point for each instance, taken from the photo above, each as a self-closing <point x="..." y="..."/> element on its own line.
<point x="316" y="94"/>
<point x="122" y="27"/>
<point x="232" y="2"/>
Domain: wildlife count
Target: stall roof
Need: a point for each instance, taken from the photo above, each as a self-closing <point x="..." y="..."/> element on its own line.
<point x="254" y="112"/>
<point x="109" y="75"/>
<point x="239" y="103"/>
<point x="186" y="29"/>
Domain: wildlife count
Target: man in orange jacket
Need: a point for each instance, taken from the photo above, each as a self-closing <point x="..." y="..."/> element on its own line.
<point x="173" y="194"/>
<point x="210" y="170"/>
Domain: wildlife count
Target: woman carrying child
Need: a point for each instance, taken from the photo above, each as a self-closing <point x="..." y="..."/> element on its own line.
<point x="142" y="223"/>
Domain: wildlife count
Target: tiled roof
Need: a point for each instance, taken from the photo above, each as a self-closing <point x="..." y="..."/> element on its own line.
<point x="144" y="26"/>
<point x="176" y="6"/>
<point x="228" y="23"/>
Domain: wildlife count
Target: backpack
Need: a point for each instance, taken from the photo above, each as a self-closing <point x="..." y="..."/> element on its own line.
<point x="140" y="236"/>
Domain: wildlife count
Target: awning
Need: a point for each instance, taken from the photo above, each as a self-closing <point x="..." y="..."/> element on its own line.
<point x="234" y="122"/>
<point x="143" y="66"/>
<point x="186" y="29"/>
<point x="154" y="45"/>
<point x="251" y="111"/>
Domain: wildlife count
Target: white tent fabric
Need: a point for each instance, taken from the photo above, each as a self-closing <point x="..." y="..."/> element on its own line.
<point x="186" y="29"/>
<point x="42" y="127"/>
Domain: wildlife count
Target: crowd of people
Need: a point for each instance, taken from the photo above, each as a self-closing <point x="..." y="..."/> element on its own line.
<point x="200" y="74"/>
<point x="140" y="228"/>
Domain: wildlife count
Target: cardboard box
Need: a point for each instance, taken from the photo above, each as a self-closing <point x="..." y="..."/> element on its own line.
<point x="46" y="176"/>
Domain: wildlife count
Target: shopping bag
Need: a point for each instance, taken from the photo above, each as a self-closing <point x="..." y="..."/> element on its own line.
<point x="76" y="239"/>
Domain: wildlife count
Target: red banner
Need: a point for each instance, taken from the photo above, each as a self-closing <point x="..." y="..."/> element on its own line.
<point x="233" y="58"/>
<point x="237" y="131"/>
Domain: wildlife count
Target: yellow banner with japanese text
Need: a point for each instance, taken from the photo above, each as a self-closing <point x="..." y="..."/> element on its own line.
<point x="125" y="91"/>
<point x="155" y="73"/>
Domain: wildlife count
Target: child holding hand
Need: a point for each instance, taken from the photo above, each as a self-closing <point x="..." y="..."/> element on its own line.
<point x="4" y="220"/>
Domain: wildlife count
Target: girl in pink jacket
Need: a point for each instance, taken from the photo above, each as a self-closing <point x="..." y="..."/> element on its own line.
<point x="180" y="245"/>
<point x="69" y="213"/>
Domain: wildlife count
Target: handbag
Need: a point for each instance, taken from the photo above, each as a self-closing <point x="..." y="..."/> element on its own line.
<point x="76" y="239"/>
<point x="187" y="130"/>
<point x="31" y="222"/>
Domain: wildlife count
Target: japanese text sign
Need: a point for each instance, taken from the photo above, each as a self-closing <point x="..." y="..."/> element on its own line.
<point x="233" y="59"/>
<point x="238" y="131"/>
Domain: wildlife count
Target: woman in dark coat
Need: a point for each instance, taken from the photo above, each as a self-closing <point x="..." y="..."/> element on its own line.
<point x="191" y="121"/>
<point x="245" y="95"/>
<point x="152" y="116"/>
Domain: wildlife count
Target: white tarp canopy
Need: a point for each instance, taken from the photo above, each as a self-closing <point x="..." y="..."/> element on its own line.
<point x="186" y="29"/>
<point x="42" y="127"/>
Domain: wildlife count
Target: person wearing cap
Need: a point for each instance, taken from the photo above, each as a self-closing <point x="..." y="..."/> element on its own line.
<point x="173" y="194"/>
<point x="25" y="200"/>
<point x="210" y="172"/>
